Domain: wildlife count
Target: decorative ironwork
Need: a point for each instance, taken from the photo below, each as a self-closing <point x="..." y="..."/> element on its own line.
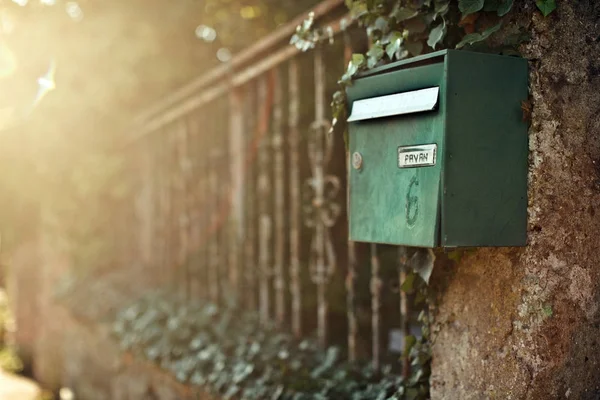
<point x="321" y="211"/>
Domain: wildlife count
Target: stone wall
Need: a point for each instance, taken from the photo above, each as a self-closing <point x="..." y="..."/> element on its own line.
<point x="524" y="323"/>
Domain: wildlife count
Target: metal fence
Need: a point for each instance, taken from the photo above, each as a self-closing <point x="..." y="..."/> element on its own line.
<point x="241" y="194"/>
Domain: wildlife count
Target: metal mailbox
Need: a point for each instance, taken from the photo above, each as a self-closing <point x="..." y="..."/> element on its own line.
<point x="438" y="148"/>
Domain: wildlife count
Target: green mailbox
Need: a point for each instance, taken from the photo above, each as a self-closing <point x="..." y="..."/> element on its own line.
<point x="438" y="152"/>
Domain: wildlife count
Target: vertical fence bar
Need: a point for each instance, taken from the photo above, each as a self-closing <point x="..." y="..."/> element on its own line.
<point x="250" y="219"/>
<point x="211" y="231"/>
<point x="194" y="207"/>
<point x="173" y="218"/>
<point x="166" y="208"/>
<point x="375" y="304"/>
<point x="294" y="177"/>
<point x="204" y="263"/>
<point x="351" y="274"/>
<point x="279" y="281"/>
<point x="264" y="189"/>
<point x="236" y="160"/>
<point x="405" y="326"/>
<point x="182" y="215"/>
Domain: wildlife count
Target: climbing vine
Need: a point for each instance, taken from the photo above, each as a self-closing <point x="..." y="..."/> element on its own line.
<point x="399" y="29"/>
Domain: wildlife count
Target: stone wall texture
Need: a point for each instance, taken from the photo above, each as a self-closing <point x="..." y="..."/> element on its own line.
<point x="524" y="323"/>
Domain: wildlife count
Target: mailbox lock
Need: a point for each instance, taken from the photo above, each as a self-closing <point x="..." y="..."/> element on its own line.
<point x="357" y="160"/>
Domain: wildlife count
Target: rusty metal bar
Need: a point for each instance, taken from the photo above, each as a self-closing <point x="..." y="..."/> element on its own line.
<point x="236" y="160"/>
<point x="403" y="297"/>
<point x="213" y="239"/>
<point x="174" y="215"/>
<point x="277" y="141"/>
<point x="195" y="200"/>
<point x="187" y="105"/>
<point x="352" y="264"/>
<point x="265" y="220"/>
<point x="183" y="164"/>
<point x="250" y="219"/>
<point x="239" y="61"/>
<point x="375" y="305"/>
<point x="294" y="141"/>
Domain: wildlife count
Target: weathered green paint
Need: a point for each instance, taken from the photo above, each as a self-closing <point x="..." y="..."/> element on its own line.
<point x="476" y="194"/>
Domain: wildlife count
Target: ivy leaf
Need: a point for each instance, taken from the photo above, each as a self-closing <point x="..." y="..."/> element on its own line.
<point x="357" y="61"/>
<point x="381" y="24"/>
<point x="546" y="6"/>
<point x="409" y="343"/>
<point x="394" y="45"/>
<point x="403" y="13"/>
<point x="467" y="7"/>
<point x="504" y="7"/>
<point x="441" y="9"/>
<point x="359" y="9"/>
<point x="478" y="37"/>
<point x="437" y="35"/>
<point x="408" y="284"/>
<point x="374" y="55"/>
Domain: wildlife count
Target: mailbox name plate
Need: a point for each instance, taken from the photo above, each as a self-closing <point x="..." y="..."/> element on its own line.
<point x="417" y="156"/>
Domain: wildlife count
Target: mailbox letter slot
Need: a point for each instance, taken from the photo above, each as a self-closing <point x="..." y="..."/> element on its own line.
<point x="395" y="104"/>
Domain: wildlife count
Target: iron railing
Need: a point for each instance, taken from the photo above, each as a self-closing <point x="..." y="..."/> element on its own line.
<point x="241" y="192"/>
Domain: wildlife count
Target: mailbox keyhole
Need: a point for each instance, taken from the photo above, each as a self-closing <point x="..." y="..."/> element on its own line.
<point x="357" y="160"/>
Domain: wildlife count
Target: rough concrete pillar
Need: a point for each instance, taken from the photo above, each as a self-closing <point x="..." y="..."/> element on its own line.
<point x="524" y="323"/>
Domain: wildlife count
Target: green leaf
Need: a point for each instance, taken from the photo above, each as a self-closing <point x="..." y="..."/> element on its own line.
<point x="374" y="55"/>
<point x="359" y="9"/>
<point x="478" y="37"/>
<point x="546" y="6"/>
<point x="467" y="7"/>
<point x="409" y="343"/>
<point x="547" y="310"/>
<point x="504" y="7"/>
<point x="349" y="3"/>
<point x="395" y="42"/>
<point x="491" y="5"/>
<point x="441" y="9"/>
<point x="404" y="13"/>
<point x="408" y="284"/>
<point x="437" y="35"/>
<point x="381" y="24"/>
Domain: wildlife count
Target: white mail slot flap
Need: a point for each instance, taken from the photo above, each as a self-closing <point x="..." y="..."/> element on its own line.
<point x="395" y="104"/>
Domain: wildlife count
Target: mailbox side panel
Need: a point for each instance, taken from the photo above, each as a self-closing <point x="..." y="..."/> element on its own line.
<point x="485" y="176"/>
